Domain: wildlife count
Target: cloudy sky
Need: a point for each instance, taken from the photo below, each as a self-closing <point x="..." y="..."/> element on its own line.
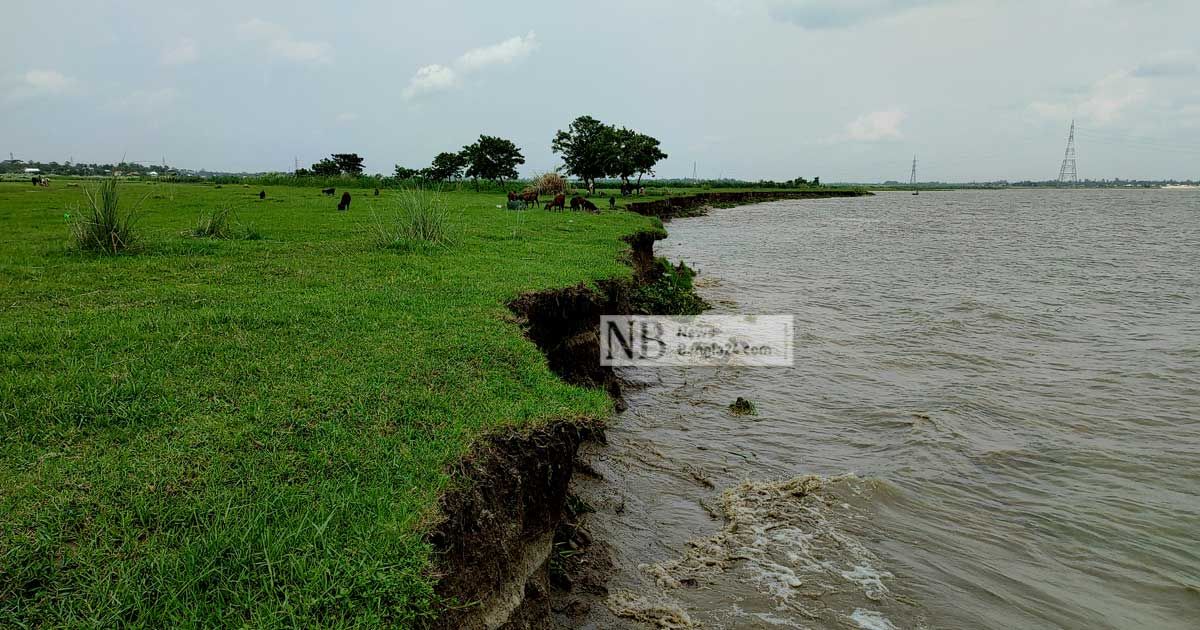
<point x="845" y="89"/>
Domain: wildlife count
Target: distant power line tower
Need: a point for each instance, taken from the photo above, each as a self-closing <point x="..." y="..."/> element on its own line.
<point x="912" y="181"/>
<point x="1067" y="174"/>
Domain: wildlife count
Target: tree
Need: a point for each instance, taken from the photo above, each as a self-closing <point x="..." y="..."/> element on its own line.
<point x="348" y="163"/>
<point x="621" y="160"/>
<point x="588" y="148"/>
<point x="326" y="168"/>
<point x="403" y="172"/>
<point x="642" y="153"/>
<point x="816" y="181"/>
<point x="492" y="158"/>
<point x="446" y="166"/>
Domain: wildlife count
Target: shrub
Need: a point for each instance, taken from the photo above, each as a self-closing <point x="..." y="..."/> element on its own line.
<point x="670" y="293"/>
<point x="250" y="232"/>
<point x="214" y="224"/>
<point x="421" y="220"/>
<point x="102" y="226"/>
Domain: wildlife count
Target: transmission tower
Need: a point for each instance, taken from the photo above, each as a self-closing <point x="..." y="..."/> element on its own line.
<point x="1067" y="174"/>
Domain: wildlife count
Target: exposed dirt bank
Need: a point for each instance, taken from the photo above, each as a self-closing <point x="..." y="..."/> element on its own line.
<point x="683" y="206"/>
<point x="496" y="542"/>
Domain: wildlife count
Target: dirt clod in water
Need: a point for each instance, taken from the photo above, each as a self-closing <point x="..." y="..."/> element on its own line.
<point x="742" y="407"/>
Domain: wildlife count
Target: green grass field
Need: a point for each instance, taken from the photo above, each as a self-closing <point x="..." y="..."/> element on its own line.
<point x="255" y="432"/>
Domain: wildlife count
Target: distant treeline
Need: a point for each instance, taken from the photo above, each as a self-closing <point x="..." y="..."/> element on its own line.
<point x="1088" y="183"/>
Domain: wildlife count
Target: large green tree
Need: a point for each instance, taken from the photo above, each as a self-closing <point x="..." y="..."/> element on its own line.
<point x="588" y="148"/>
<point x="348" y="163"/>
<point x="642" y="153"/>
<point x="339" y="164"/>
<point x="492" y="158"/>
<point x="446" y="166"/>
<point x="326" y="168"/>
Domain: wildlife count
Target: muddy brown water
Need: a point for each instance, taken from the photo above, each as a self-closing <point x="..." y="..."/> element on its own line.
<point x="993" y="422"/>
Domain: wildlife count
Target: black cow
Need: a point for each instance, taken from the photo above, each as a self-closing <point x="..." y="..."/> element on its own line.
<point x="328" y="191"/>
<point x="262" y="194"/>
<point x="345" y="204"/>
<point x="376" y="192"/>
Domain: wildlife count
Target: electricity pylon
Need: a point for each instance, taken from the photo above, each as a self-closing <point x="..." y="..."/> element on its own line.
<point x="1068" y="174"/>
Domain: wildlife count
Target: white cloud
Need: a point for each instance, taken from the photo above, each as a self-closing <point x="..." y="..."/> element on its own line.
<point x="438" y="78"/>
<point x="280" y="42"/>
<point x="37" y="83"/>
<point x="1104" y="102"/>
<point x="48" y="81"/>
<point x="875" y="126"/>
<point x="505" y="52"/>
<point x="184" y="51"/>
<point x="429" y="79"/>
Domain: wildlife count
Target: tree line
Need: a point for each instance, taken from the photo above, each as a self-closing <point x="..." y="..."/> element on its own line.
<point x="590" y="150"/>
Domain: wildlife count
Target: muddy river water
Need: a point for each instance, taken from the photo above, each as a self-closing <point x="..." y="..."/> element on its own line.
<point x="993" y="421"/>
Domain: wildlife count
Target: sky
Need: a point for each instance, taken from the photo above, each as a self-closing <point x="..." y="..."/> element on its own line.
<point x="848" y="90"/>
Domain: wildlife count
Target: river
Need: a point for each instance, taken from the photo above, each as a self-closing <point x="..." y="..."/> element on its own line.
<point x="993" y="421"/>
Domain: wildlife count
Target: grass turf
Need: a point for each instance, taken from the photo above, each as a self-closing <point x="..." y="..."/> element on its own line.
<point x="255" y="432"/>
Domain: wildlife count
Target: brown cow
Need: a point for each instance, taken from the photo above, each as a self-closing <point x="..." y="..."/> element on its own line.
<point x="530" y="197"/>
<point x="559" y="201"/>
<point x="589" y="206"/>
<point x="512" y="196"/>
<point x="576" y="201"/>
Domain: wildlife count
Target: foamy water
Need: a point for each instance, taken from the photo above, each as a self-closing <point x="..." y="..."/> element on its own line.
<point x="992" y="421"/>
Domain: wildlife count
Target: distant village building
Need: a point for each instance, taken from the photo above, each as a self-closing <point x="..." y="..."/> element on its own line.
<point x="31" y="171"/>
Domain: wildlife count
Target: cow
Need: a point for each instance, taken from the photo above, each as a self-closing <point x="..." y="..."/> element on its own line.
<point x="576" y="201"/>
<point x="37" y="180"/>
<point x="345" y="204"/>
<point x="530" y="197"/>
<point x="328" y="191"/>
<point x="512" y="196"/>
<point x="559" y="201"/>
<point x="586" y="204"/>
<point x="612" y="202"/>
<point x="376" y="192"/>
<point x="262" y="194"/>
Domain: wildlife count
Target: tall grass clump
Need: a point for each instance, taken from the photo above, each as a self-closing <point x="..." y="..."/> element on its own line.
<point x="421" y="220"/>
<point x="216" y="223"/>
<point x="102" y="226"/>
